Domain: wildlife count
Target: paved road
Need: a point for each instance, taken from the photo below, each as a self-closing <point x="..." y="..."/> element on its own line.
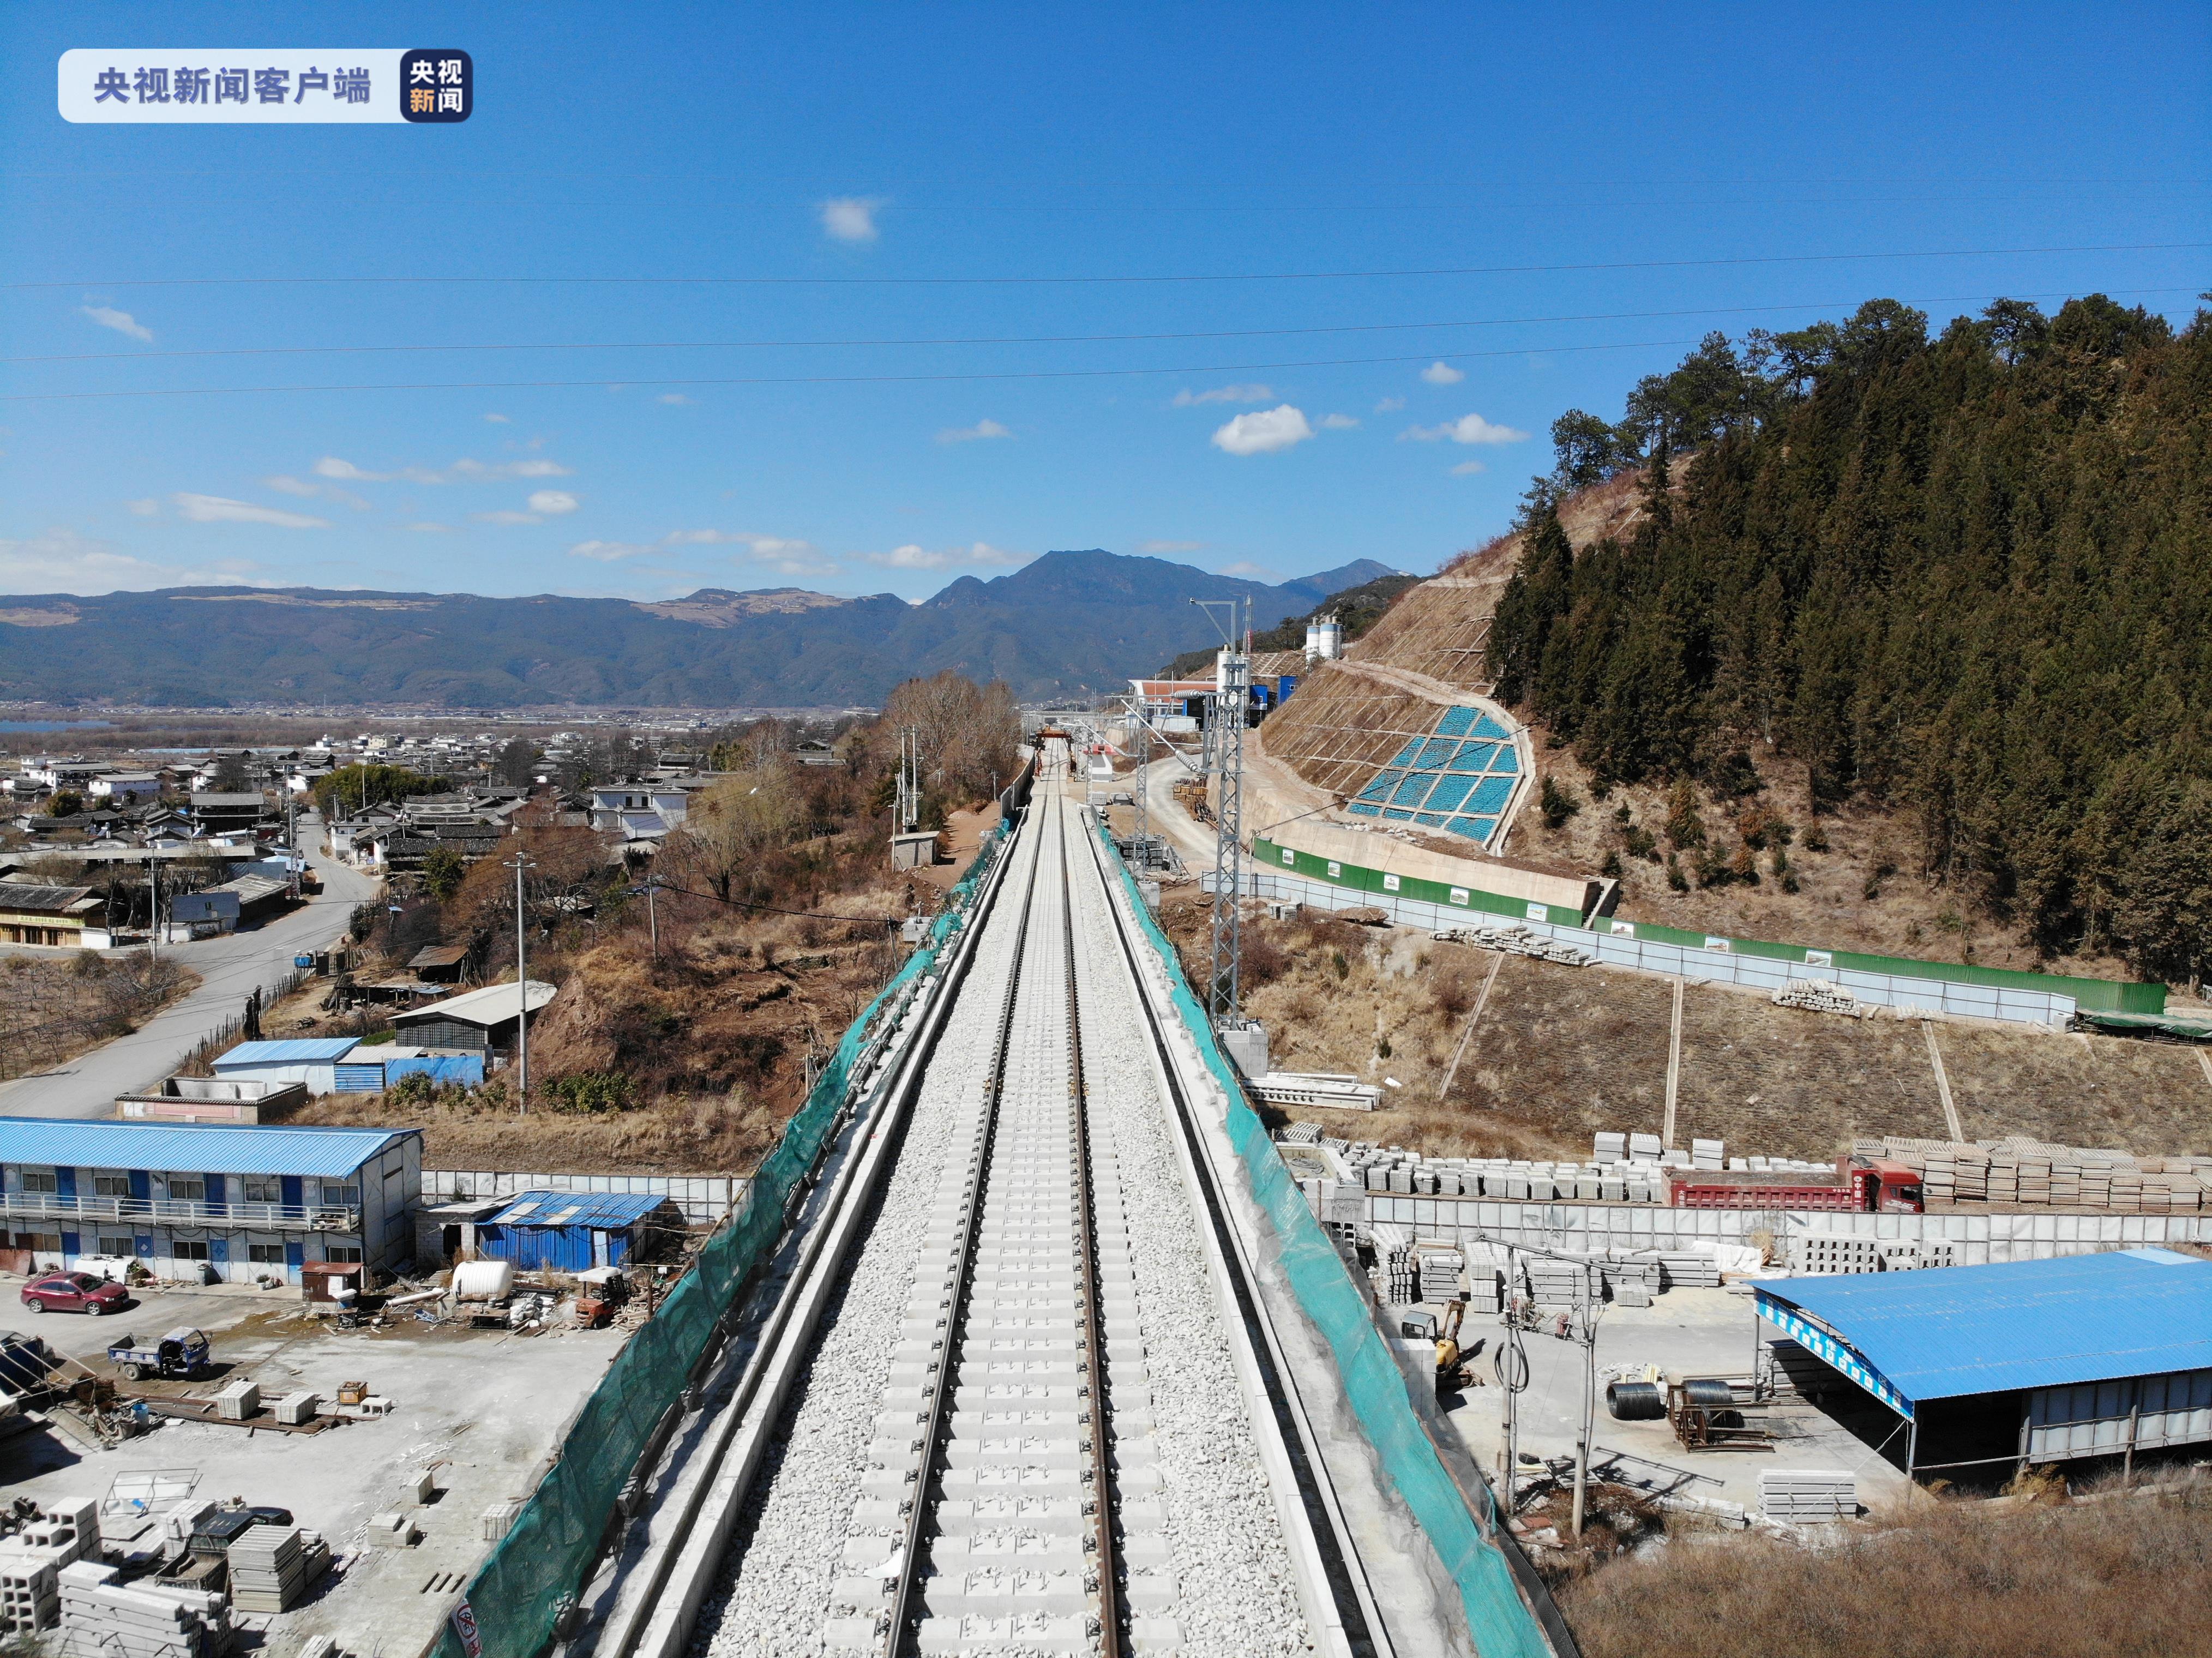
<point x="229" y="969"/>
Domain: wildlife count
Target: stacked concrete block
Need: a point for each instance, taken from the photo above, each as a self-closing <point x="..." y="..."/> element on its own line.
<point x="101" y="1618"/>
<point x="63" y="1536"/>
<point x="239" y="1402"/>
<point x="30" y="1592"/>
<point x="273" y="1567"/>
<point x="1803" y="1495"/>
<point x="1486" y="1290"/>
<point x="1610" y="1148"/>
<point x="1707" y="1154"/>
<point x="297" y="1408"/>
<point x="1826" y="1254"/>
<point x="1645" y="1148"/>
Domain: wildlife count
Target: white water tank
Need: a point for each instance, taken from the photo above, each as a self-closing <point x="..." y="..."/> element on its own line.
<point x="1324" y="639"/>
<point x="483" y="1280"/>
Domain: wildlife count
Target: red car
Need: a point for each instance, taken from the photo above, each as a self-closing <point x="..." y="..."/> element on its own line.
<point x="74" y="1292"/>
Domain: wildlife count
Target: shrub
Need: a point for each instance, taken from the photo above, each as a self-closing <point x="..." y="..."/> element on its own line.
<point x="1610" y="868"/>
<point x="1642" y="844"/>
<point x="1685" y="827"/>
<point x="1816" y="838"/>
<point x="1558" y="804"/>
<point x="1676" y="880"/>
<point x="591" y="1092"/>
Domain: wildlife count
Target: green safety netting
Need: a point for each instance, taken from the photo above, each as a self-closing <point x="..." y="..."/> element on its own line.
<point x="517" y="1597"/>
<point x="1500" y="1622"/>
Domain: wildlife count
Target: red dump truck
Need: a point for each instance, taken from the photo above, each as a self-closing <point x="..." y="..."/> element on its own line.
<point x="1867" y="1185"/>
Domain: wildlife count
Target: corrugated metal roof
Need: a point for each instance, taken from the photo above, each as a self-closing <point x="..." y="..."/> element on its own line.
<point x="1955" y="1330"/>
<point x="304" y="1050"/>
<point x="601" y="1209"/>
<point x="488" y="1006"/>
<point x="219" y="1148"/>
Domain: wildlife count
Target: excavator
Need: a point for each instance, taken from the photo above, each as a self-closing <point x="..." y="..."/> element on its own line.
<point x="1453" y="1372"/>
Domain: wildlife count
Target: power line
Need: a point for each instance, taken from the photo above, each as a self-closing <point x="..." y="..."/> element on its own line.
<point x="835" y="380"/>
<point x="772" y="909"/>
<point x="1046" y="339"/>
<point x="1077" y="281"/>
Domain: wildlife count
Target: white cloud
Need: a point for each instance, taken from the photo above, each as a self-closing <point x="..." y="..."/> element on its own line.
<point x="1467" y="429"/>
<point x="463" y="471"/>
<point x="1389" y="405"/>
<point x="290" y="486"/>
<point x="218" y="509"/>
<point x="851" y="218"/>
<point x="914" y="557"/>
<point x="552" y="502"/>
<point x="1171" y="546"/>
<point x="1443" y="374"/>
<point x="425" y="527"/>
<point x="608" y="552"/>
<point x="1186" y="400"/>
<point x="499" y="420"/>
<point x="145" y="508"/>
<point x="62" y="561"/>
<point x="1337" y="422"/>
<point x="673" y="397"/>
<point x="121" y="321"/>
<point x="1264" y="432"/>
<point x="1249" y="571"/>
<point x="506" y="515"/>
<point x="1467" y="468"/>
<point x="981" y="429"/>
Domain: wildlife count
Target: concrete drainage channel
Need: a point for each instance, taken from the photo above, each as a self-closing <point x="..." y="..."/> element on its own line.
<point x="1007" y="1398"/>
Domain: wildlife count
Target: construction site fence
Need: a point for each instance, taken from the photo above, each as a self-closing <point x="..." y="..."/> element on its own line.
<point x="1912" y="988"/>
<point x="1499" y="1621"/>
<point x="515" y="1604"/>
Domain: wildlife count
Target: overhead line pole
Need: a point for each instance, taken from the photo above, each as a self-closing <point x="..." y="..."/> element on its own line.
<point x="522" y="988"/>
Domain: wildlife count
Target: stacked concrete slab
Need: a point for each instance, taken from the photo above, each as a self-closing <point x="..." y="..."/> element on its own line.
<point x="1802" y="1495"/>
<point x="272" y="1567"/>
<point x="102" y="1618"/>
<point x="1826" y="1254"/>
<point x="2017" y="1172"/>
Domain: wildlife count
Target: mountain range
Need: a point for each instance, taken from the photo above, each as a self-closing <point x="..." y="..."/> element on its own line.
<point x="1065" y="623"/>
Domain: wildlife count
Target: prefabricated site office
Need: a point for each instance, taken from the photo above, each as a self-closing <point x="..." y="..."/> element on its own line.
<point x="2019" y="1362"/>
<point x="243" y="1200"/>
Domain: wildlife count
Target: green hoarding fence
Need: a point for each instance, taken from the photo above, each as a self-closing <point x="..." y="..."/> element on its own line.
<point x="515" y="1602"/>
<point x="1500" y="1622"/>
<point x="2106" y="995"/>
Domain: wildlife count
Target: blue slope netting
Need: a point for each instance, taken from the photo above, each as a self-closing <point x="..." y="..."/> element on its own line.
<point x="1428" y="780"/>
<point x="1500" y="1621"/>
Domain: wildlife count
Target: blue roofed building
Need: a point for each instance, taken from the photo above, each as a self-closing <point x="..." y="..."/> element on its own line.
<point x="2017" y="1362"/>
<point x="187" y="1198"/>
<point x="576" y="1231"/>
<point x="309" y="1059"/>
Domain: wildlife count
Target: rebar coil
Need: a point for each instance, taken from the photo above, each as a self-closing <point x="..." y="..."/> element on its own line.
<point x="1708" y="1395"/>
<point x="1635" y="1401"/>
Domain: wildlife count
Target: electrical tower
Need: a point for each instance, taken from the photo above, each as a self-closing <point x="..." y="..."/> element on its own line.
<point x="1143" y="842"/>
<point x="1226" y="713"/>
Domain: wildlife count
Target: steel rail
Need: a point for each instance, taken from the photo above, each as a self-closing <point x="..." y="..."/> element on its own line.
<point x="1099" y="1416"/>
<point x="905" y="1624"/>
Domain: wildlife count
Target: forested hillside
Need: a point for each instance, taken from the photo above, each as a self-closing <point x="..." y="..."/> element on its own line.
<point x="1968" y="580"/>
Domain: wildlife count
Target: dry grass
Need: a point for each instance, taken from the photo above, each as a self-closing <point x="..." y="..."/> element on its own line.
<point x="673" y="1135"/>
<point x="2129" y="1578"/>
<point x="1562" y="1052"/>
<point x="55" y="1007"/>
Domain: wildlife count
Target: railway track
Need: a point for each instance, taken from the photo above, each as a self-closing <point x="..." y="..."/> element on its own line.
<point x="1022" y="1428"/>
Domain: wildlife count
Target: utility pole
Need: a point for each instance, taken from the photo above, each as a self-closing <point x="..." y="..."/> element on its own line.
<point x="1592" y="1299"/>
<point x="292" y="837"/>
<point x="653" y="915"/>
<point x="153" y="905"/>
<point x="1143" y="826"/>
<point x="1513" y="1377"/>
<point x="522" y="988"/>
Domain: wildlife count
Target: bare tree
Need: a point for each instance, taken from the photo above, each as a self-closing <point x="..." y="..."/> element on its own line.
<point x="967" y="731"/>
<point x="732" y="826"/>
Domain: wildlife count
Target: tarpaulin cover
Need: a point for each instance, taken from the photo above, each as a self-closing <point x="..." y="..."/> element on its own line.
<point x="1500" y="1622"/>
<point x="517" y="1597"/>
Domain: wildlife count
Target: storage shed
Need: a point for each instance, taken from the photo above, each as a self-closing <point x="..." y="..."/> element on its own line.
<point x="483" y="1020"/>
<point x="575" y="1231"/>
<point x="309" y="1059"/>
<point x="2018" y="1362"/>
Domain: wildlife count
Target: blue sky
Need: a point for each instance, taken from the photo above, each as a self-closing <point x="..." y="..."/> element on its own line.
<point x="1735" y="163"/>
